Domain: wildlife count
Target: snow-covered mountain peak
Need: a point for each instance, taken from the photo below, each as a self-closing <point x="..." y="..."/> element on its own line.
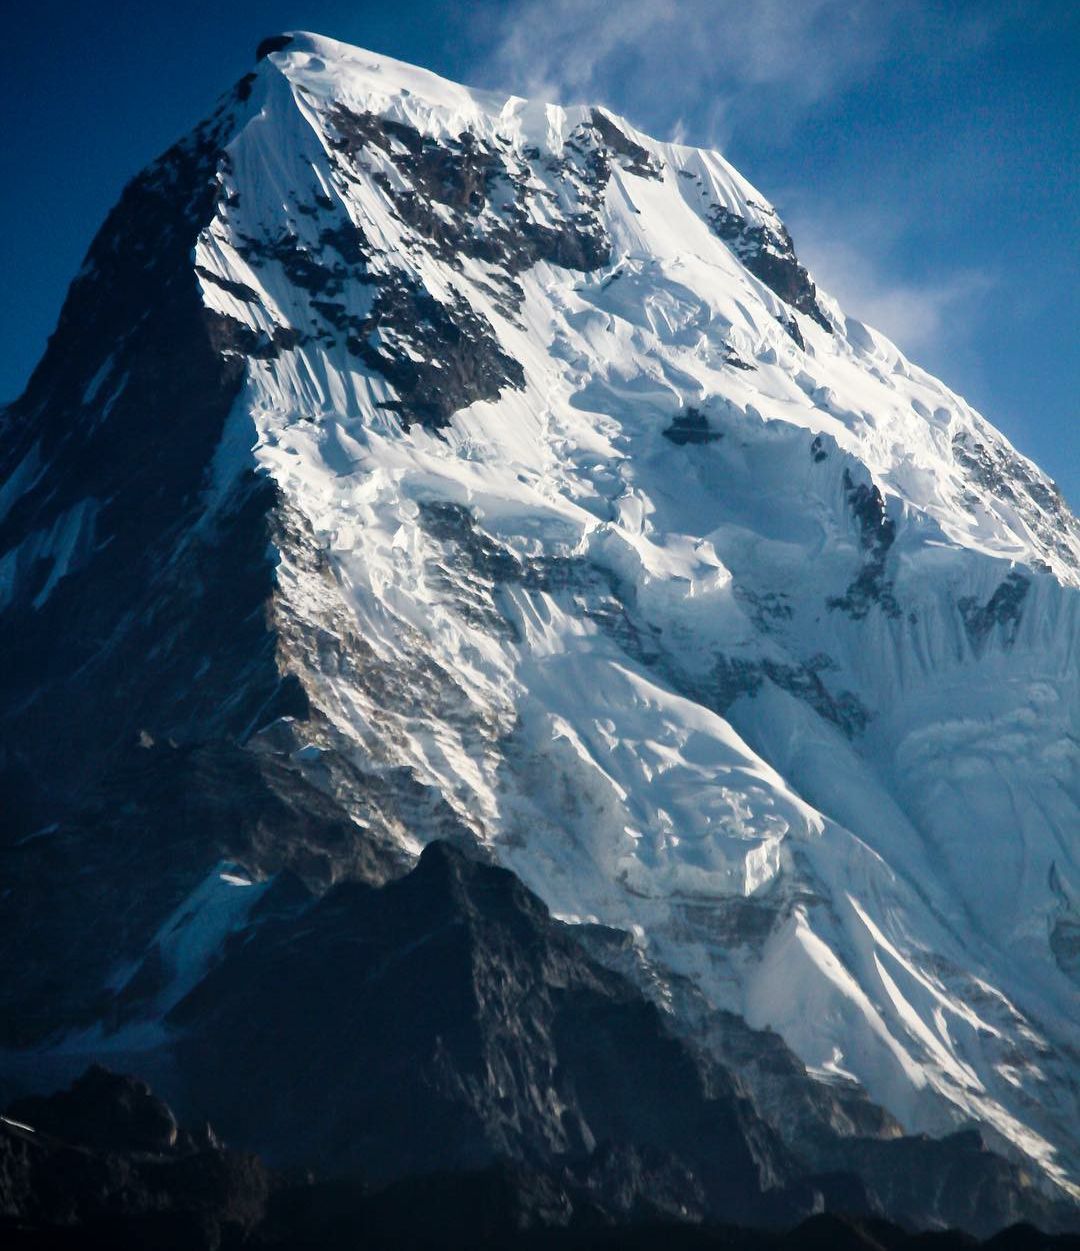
<point x="666" y="207"/>
<point x="600" y="540"/>
<point x="706" y="570"/>
<point x="368" y="81"/>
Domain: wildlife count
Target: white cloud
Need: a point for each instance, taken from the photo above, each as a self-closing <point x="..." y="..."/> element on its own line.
<point x="701" y="71"/>
<point x="925" y="318"/>
<point x="709" y="60"/>
<point x="561" y="49"/>
<point x="765" y="61"/>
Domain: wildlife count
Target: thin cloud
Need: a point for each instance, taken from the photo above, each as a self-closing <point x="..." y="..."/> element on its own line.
<point x="703" y="71"/>
<point x="704" y="67"/>
<point x="565" y="48"/>
<point x="746" y="62"/>
<point x="923" y="318"/>
<point x="851" y="251"/>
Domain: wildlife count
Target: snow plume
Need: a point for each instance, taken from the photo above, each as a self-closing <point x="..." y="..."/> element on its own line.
<point x="770" y="60"/>
<point x="766" y="55"/>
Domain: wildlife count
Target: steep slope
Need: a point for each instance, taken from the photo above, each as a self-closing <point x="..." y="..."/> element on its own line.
<point x="462" y="1026"/>
<point x="501" y="474"/>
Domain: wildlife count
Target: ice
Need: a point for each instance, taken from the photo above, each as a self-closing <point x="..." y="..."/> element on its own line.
<point x="62" y="548"/>
<point x="190" y="939"/>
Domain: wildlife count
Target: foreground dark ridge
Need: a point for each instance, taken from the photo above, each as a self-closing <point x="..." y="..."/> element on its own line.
<point x="444" y="1021"/>
<point x="105" y="1164"/>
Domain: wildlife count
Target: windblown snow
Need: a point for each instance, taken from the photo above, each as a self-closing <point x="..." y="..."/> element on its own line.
<point x="704" y="609"/>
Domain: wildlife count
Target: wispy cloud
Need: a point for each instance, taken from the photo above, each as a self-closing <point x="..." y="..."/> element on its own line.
<point x="703" y="68"/>
<point x="852" y="253"/>
<point x="743" y="61"/>
<point x="707" y="71"/>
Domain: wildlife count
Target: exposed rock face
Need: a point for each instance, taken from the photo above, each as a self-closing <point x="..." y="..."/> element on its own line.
<point x="103" y="1112"/>
<point x="1008" y="479"/>
<point x="1003" y="609"/>
<point x="105" y="1164"/>
<point x="467" y="1030"/>
<point x="166" y="823"/>
<point x="877" y="532"/>
<point x="463" y="1026"/>
<point x="769" y="254"/>
<point x="109" y="453"/>
<point x="691" y="427"/>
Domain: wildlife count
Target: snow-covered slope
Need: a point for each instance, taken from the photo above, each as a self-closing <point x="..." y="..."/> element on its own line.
<point x="604" y="537"/>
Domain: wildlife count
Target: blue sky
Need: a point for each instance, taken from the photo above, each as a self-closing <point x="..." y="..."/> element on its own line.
<point x="924" y="154"/>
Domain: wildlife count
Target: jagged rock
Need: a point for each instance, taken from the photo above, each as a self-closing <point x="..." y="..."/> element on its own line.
<point x="691" y="427"/>
<point x="877" y="533"/>
<point x="1003" y="609"/>
<point x="56" y="1196"/>
<point x="166" y="821"/>
<point x="462" y="1025"/>
<point x="103" y="1111"/>
<point x="105" y="1164"/>
<point x="769" y="254"/>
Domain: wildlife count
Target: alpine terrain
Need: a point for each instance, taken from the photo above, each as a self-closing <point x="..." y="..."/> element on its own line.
<point x="500" y="672"/>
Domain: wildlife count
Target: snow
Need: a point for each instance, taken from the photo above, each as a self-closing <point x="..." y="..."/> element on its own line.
<point x="191" y="939"/>
<point x="63" y="547"/>
<point x="22" y="479"/>
<point x="895" y="793"/>
<point x="18" y="1125"/>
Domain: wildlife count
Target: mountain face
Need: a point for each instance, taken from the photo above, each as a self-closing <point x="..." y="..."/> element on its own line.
<point x="412" y="465"/>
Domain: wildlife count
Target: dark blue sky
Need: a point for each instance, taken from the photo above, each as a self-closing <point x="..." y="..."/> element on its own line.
<point x="923" y="153"/>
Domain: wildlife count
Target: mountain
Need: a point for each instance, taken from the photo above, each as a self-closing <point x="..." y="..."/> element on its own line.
<point x="147" y="1181"/>
<point x="416" y="466"/>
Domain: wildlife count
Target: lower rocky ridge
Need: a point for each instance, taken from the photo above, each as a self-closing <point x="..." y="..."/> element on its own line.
<point x="105" y="1163"/>
<point x="443" y="1026"/>
<point x="151" y="843"/>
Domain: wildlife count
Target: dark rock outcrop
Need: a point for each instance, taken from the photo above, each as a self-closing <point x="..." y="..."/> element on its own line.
<point x="470" y="198"/>
<point x="1005" y="476"/>
<point x="1003" y="610"/>
<point x="153" y="829"/>
<point x="769" y="255"/>
<point x="637" y="160"/>
<point x="102" y="1111"/>
<point x="105" y="1165"/>
<point x="443" y="1025"/>
<point x="691" y="427"/>
<point x="735" y="676"/>
<point x="462" y="1025"/>
<point x="66" y="1188"/>
<point x="877" y="533"/>
<point x="114" y="440"/>
<point x="272" y="43"/>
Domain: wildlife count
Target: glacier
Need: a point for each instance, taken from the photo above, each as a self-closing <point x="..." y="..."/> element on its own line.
<point x="687" y="597"/>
